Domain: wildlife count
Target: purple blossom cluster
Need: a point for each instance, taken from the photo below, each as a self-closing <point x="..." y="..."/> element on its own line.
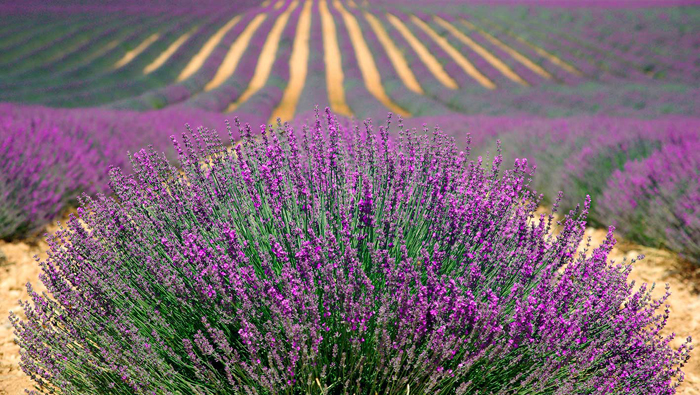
<point x="332" y="260"/>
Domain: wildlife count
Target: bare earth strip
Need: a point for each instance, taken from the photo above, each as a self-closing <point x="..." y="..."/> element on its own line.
<point x="460" y="59"/>
<point x="165" y="55"/>
<point x="79" y="44"/>
<point x="333" y="61"/>
<point x="131" y="55"/>
<point x="540" y="51"/>
<point x="298" y="68"/>
<point x="510" y="51"/>
<point x="19" y="269"/>
<point x="483" y="52"/>
<point x="110" y="46"/>
<point x="423" y="54"/>
<point x="235" y="53"/>
<point x="267" y="57"/>
<point x="198" y="60"/>
<point x="397" y="59"/>
<point x="370" y="74"/>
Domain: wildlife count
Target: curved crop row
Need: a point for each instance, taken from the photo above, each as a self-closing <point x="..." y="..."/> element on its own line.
<point x="656" y="200"/>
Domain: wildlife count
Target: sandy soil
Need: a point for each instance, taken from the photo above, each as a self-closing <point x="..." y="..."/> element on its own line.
<point x="235" y="53"/>
<point x="267" y="57"/>
<point x="658" y="266"/>
<point x="18" y="268"/>
<point x="198" y="60"/>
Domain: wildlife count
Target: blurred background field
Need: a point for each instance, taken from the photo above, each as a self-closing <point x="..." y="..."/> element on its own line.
<point x="602" y="96"/>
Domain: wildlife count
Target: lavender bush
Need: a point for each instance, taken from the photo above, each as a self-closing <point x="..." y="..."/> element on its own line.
<point x="49" y="156"/>
<point x="335" y="262"/>
<point x="36" y="181"/>
<point x="657" y="200"/>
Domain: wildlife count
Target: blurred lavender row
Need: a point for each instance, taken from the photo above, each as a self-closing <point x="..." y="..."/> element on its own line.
<point x="49" y="156"/>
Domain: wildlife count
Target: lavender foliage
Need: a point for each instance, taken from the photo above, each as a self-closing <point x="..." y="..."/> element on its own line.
<point x="334" y="261"/>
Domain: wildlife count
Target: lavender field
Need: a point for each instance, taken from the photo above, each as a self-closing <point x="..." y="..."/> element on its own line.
<point x="349" y="197"/>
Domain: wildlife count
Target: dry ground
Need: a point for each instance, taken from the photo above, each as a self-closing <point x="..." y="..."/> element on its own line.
<point x="658" y="266"/>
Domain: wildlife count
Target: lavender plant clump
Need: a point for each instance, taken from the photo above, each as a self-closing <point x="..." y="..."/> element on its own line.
<point x="48" y="157"/>
<point x="35" y="181"/>
<point x="334" y="261"/>
<point x="656" y="200"/>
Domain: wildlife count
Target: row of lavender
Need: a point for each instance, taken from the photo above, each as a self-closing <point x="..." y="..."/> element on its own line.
<point x="572" y="95"/>
<point x="659" y="43"/>
<point x="49" y="156"/>
<point x="643" y="175"/>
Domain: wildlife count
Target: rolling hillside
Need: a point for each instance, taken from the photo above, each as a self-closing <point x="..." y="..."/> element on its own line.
<point x="362" y="57"/>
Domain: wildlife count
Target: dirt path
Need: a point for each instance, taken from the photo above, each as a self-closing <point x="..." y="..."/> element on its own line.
<point x="395" y="55"/>
<point x="165" y="55"/>
<point x="235" y="53"/>
<point x="540" y="51"/>
<point x="658" y="266"/>
<point x="423" y="53"/>
<point x="198" y="60"/>
<point x="333" y="61"/>
<point x="365" y="60"/>
<point x="131" y="55"/>
<point x="457" y="56"/>
<point x="298" y="67"/>
<point x="510" y="51"/>
<point x="267" y="57"/>
<point x="483" y="52"/>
